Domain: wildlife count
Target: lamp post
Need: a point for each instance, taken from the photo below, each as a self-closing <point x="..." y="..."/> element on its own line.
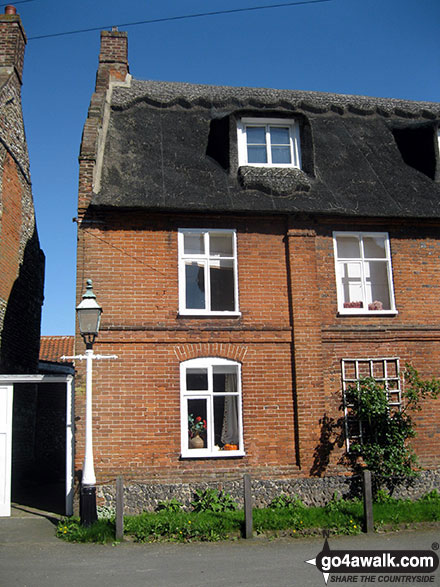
<point x="89" y="318"/>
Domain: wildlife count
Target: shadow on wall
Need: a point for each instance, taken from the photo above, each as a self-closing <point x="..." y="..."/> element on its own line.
<point x="332" y="436"/>
<point x="20" y="337"/>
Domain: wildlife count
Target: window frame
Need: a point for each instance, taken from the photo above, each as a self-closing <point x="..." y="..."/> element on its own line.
<point x="294" y="141"/>
<point x="387" y="379"/>
<point x="205" y="258"/>
<point x="392" y="311"/>
<point x="209" y="451"/>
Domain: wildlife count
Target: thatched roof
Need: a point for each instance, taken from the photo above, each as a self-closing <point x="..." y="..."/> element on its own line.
<point x="173" y="146"/>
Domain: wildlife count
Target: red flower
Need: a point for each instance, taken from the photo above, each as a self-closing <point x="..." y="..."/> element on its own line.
<point x="204" y="423"/>
<point x="198" y="419"/>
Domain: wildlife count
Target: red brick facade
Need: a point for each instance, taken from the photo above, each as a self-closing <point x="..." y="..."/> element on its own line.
<point x="289" y="338"/>
<point x="288" y="331"/>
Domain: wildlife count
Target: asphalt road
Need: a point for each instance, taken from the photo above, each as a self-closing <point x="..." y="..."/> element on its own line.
<point x="31" y="556"/>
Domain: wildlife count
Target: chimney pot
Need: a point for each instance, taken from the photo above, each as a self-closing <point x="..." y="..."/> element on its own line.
<point x="10" y="9"/>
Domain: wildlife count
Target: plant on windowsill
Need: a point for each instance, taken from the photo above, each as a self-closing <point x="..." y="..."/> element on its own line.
<point x="353" y="304"/>
<point x="376" y="305"/>
<point x="196" y="427"/>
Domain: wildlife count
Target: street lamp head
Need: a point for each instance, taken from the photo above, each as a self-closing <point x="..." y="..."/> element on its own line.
<point x="89" y="315"/>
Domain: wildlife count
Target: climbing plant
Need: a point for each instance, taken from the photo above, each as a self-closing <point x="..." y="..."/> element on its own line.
<point x="384" y="446"/>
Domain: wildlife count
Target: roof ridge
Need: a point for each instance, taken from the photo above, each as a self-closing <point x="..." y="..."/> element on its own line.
<point x="163" y="93"/>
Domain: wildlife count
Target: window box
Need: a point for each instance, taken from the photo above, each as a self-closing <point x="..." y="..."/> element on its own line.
<point x="363" y="273"/>
<point x="268" y="142"/>
<point x="208" y="273"/>
<point x="211" y="408"/>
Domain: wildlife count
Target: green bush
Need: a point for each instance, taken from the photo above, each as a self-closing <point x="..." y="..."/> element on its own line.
<point x="386" y="432"/>
<point x="105" y="512"/>
<point x="285" y="501"/>
<point x="170" y="505"/>
<point x="212" y="500"/>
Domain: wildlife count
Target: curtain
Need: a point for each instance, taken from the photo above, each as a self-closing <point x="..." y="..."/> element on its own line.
<point x="230" y="414"/>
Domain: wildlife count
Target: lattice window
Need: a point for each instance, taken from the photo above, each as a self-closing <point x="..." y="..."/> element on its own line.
<point x="385" y="371"/>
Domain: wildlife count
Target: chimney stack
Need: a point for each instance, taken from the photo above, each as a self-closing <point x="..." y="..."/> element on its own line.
<point x="113" y="58"/>
<point x="12" y="43"/>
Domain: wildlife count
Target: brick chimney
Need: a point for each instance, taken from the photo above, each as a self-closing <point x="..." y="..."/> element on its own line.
<point x="112" y="67"/>
<point x="12" y="43"/>
<point x="113" y="58"/>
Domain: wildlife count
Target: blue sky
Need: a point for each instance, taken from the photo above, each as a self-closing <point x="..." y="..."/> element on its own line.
<point x="388" y="48"/>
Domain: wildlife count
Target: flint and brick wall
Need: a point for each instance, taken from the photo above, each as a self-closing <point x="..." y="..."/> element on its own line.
<point x="21" y="260"/>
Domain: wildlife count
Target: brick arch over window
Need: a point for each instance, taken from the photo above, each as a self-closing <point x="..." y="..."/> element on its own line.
<point x="222" y="350"/>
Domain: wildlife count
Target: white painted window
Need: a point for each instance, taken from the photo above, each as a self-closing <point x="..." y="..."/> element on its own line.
<point x="211" y="421"/>
<point x="208" y="272"/>
<point x="272" y="142"/>
<point x="363" y="273"/>
<point x="385" y="371"/>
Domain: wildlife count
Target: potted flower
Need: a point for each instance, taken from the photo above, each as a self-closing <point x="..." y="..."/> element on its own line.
<point x="196" y="426"/>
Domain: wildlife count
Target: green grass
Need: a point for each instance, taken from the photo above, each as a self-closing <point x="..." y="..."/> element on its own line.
<point x="338" y="517"/>
<point x="101" y="532"/>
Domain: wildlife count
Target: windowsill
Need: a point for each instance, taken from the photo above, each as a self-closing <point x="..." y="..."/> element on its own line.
<point x="361" y="312"/>
<point x="270" y="165"/>
<point x="219" y="454"/>
<point x="204" y="314"/>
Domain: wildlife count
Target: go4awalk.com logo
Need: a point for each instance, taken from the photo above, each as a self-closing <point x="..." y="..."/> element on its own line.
<point x="377" y="566"/>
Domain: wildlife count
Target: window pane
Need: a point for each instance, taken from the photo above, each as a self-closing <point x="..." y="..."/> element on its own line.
<point x="256" y="135"/>
<point x="279" y="136"/>
<point x="196" y="379"/>
<point x="348" y="247"/>
<point x="351" y="285"/>
<point x="226" y="430"/>
<point x="374" y="247"/>
<point x="197" y="424"/>
<point x="281" y="155"/>
<point x="222" y="285"/>
<point x="257" y="154"/>
<point x="376" y="276"/>
<point x="193" y="244"/>
<point x="225" y="379"/>
<point x="221" y="245"/>
<point x="194" y="286"/>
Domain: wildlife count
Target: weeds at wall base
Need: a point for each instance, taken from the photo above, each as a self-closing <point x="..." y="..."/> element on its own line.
<point x="339" y="517"/>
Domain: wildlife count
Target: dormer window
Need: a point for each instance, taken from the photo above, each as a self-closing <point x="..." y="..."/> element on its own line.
<point x="268" y="142"/>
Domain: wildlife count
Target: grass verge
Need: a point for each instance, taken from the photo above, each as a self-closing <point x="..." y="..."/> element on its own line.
<point x="338" y="517"/>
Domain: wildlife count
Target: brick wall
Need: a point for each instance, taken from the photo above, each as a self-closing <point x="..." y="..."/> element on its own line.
<point x="289" y="341"/>
<point x="138" y="410"/>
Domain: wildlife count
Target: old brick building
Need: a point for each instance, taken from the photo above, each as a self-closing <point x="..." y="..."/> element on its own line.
<point x="254" y="251"/>
<point x="21" y="259"/>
